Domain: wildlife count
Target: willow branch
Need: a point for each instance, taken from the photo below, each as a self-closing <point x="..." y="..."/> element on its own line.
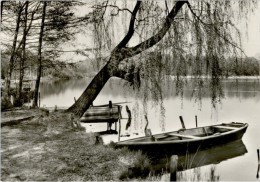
<point x="131" y="26"/>
<point x="161" y="33"/>
<point x="216" y="30"/>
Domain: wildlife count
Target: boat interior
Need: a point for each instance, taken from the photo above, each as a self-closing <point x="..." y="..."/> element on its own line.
<point x="194" y="133"/>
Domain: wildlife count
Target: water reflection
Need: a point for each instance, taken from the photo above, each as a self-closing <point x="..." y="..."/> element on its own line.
<point x="241" y="104"/>
<point x="232" y="88"/>
<point x="214" y="155"/>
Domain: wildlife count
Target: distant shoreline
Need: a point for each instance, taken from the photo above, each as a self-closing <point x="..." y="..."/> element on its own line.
<point x="224" y="78"/>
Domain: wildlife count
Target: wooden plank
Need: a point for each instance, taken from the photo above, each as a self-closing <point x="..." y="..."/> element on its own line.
<point x="99" y="119"/>
<point x="184" y="136"/>
<point x="226" y="127"/>
<point x="101" y="113"/>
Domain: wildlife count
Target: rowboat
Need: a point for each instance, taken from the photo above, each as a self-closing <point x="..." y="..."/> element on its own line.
<point x="187" y="139"/>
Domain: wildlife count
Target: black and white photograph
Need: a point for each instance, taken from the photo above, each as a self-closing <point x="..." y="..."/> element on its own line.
<point x="130" y="90"/>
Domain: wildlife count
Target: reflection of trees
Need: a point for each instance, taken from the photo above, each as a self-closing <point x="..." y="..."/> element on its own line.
<point x="232" y="88"/>
<point x="242" y="88"/>
<point x="59" y="87"/>
<point x="114" y="87"/>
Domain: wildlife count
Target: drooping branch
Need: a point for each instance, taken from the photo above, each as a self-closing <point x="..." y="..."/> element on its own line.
<point x="216" y="30"/>
<point x="157" y="37"/>
<point x="130" y="32"/>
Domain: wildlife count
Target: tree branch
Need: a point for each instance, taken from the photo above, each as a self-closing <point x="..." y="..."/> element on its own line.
<point x="157" y="37"/>
<point x="131" y="26"/>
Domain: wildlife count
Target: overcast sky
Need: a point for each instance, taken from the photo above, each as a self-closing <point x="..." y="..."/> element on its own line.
<point x="252" y="44"/>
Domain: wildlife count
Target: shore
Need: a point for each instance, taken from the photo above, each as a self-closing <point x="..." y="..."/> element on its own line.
<point x="48" y="147"/>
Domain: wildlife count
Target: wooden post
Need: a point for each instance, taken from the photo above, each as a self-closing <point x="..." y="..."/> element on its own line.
<point x="55" y="108"/>
<point x="75" y="99"/>
<point x="182" y="122"/>
<point x="257" y="173"/>
<point x="196" y="121"/>
<point x="119" y="120"/>
<point x="258" y="156"/>
<point x="110" y="104"/>
<point x="173" y="168"/>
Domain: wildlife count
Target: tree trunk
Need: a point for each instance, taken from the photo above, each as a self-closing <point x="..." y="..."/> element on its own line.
<point x="118" y="54"/>
<point x="2" y="4"/>
<point x="91" y="92"/>
<point x="11" y="62"/>
<point x="22" y="60"/>
<point x="39" y="68"/>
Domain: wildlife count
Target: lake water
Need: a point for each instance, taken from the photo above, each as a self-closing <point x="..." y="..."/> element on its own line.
<point x="241" y="103"/>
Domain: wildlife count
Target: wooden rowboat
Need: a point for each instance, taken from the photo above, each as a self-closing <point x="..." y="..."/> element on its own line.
<point x="187" y="139"/>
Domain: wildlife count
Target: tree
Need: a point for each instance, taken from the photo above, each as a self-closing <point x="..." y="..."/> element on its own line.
<point x="39" y="57"/>
<point x="59" y="26"/>
<point x="18" y="11"/>
<point x="201" y="28"/>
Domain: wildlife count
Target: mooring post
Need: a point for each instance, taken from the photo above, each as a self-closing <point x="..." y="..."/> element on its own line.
<point x="110" y="104"/>
<point x="258" y="156"/>
<point x="196" y="121"/>
<point x="119" y="120"/>
<point x="182" y="122"/>
<point x="257" y="172"/>
<point x="173" y="168"/>
<point x="55" y="108"/>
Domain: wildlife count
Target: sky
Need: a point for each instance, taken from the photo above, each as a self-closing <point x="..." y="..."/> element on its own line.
<point x="252" y="44"/>
<point x="250" y="41"/>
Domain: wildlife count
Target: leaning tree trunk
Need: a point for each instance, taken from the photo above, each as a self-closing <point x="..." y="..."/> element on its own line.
<point x="120" y="53"/>
<point x="91" y="92"/>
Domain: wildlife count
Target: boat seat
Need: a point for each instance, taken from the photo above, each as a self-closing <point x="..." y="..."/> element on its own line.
<point x="184" y="136"/>
<point x="225" y="127"/>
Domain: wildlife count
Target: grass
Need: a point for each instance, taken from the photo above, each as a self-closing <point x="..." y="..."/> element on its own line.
<point x="48" y="148"/>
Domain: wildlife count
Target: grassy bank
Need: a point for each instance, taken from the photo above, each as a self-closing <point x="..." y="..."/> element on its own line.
<point x="49" y="148"/>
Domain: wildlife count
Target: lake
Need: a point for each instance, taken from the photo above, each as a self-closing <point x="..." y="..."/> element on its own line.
<point x="241" y="103"/>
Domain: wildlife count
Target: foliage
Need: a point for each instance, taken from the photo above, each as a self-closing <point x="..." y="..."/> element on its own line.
<point x="202" y="38"/>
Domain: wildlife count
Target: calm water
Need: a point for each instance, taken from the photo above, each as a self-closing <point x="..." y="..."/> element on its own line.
<point x="240" y="104"/>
